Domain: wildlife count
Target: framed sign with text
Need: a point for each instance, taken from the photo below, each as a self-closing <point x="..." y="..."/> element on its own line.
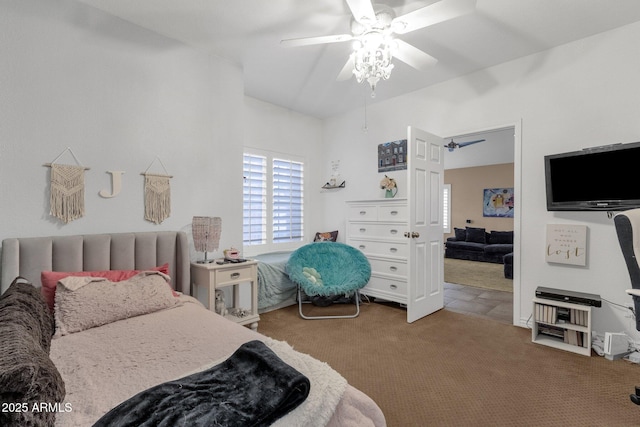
<point x="567" y="244"/>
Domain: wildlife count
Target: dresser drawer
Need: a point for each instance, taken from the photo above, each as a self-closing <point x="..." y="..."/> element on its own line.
<point x="393" y="213"/>
<point x="370" y="247"/>
<point x="233" y="275"/>
<point x="374" y="230"/>
<point x="384" y="266"/>
<point x="385" y="286"/>
<point x="363" y="213"/>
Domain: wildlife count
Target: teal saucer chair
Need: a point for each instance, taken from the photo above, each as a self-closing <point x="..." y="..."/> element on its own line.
<point x="329" y="269"/>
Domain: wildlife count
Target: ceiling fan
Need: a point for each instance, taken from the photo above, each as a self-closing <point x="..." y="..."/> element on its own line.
<point x="453" y="145"/>
<point x="374" y="28"/>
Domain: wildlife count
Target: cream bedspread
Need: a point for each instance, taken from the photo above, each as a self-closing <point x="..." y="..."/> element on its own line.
<point x="104" y="366"/>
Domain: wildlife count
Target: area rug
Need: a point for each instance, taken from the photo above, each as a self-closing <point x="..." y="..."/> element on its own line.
<point x="485" y="275"/>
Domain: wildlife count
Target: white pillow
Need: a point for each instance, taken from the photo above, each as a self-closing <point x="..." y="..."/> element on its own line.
<point x="87" y="302"/>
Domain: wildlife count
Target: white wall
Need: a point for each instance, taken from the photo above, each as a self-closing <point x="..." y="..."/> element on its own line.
<point x="577" y="95"/>
<point x="118" y="95"/>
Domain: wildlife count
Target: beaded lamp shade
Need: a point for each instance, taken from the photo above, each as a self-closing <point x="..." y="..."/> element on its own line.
<point x="206" y="234"/>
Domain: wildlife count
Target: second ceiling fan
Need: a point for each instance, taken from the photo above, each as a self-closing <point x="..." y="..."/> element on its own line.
<point x="453" y="145"/>
<point x="374" y="30"/>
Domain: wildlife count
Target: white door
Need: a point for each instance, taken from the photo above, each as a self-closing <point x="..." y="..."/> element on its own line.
<point x="426" y="179"/>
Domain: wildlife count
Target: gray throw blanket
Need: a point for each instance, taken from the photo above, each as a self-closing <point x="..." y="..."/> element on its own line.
<point x="253" y="387"/>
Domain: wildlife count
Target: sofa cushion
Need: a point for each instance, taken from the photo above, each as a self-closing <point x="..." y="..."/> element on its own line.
<point x="476" y="235"/>
<point x="460" y="233"/>
<point x="498" y="249"/>
<point x="498" y="237"/>
<point x="467" y="246"/>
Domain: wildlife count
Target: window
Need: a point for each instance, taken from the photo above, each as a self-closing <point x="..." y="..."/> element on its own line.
<point x="254" y="200"/>
<point x="273" y="200"/>
<point x="287" y="201"/>
<point x="446" y="205"/>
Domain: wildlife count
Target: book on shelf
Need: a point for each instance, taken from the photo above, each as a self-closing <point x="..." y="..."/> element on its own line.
<point x="576" y="338"/>
<point x="546" y="313"/>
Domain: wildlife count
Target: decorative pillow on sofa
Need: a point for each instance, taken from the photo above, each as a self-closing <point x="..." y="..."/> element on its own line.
<point x="87" y="302"/>
<point x="330" y="236"/>
<point x="500" y="237"/>
<point x="476" y="235"/>
<point x="460" y="233"/>
<point x="27" y="374"/>
<point x="50" y="279"/>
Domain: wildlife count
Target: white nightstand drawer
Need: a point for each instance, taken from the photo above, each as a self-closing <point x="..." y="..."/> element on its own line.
<point x="371" y="247"/>
<point x="363" y="213"/>
<point x="233" y="275"/>
<point x="385" y="231"/>
<point x="387" y="286"/>
<point x="388" y="267"/>
<point x="393" y="213"/>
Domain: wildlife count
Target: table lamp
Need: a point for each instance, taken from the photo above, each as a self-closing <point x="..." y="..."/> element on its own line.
<point x="206" y="234"/>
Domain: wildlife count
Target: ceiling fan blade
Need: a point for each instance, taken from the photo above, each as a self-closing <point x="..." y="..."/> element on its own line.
<point x="464" y="144"/>
<point x="362" y="10"/>
<point x="347" y="70"/>
<point x="432" y="14"/>
<point x="413" y="56"/>
<point x="307" y="41"/>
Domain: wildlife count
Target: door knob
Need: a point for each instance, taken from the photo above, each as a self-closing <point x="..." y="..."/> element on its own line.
<point x="415" y="234"/>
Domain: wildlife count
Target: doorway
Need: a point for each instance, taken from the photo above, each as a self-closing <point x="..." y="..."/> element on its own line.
<point x="475" y="161"/>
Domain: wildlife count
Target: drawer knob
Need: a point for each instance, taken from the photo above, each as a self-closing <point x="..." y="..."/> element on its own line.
<point x="393" y="250"/>
<point x="235" y="275"/>
<point x="394" y="212"/>
<point x="362" y="230"/>
<point x="362" y="247"/>
<point x="393" y="286"/>
<point x="363" y="212"/>
<point x="392" y="231"/>
<point x="393" y="268"/>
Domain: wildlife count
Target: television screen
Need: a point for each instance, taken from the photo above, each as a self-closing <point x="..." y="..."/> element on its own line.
<point x="601" y="178"/>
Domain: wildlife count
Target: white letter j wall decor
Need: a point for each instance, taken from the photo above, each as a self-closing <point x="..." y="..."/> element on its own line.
<point x="116" y="185"/>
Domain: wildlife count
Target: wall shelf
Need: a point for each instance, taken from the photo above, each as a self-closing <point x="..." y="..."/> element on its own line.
<point x="328" y="186"/>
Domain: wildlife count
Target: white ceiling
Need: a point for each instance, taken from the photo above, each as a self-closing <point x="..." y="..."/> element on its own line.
<point x="303" y="79"/>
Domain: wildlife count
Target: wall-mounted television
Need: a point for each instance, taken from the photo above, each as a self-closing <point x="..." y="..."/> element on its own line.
<point x="600" y="178"/>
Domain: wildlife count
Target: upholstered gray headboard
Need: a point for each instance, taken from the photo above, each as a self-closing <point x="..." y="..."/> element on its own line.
<point x="27" y="257"/>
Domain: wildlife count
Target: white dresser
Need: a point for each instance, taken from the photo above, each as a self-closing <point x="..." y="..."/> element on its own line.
<point x="377" y="228"/>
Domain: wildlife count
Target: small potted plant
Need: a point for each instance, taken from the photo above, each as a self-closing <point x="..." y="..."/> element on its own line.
<point x="389" y="186"/>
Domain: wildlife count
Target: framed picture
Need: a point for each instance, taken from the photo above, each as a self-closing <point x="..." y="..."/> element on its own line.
<point x="498" y="202"/>
<point x="566" y="244"/>
<point x="392" y="156"/>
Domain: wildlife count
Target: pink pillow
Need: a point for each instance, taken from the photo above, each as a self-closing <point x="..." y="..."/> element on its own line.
<point x="50" y="279"/>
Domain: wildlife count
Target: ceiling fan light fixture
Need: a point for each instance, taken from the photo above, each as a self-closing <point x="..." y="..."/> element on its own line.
<point x="372" y="60"/>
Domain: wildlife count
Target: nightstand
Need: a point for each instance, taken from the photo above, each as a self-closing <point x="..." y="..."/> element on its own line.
<point x="206" y="278"/>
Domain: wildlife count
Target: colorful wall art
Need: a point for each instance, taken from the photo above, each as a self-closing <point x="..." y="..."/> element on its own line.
<point x="498" y="202"/>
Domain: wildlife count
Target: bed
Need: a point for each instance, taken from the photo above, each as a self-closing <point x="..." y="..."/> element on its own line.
<point x="102" y="368"/>
<point x="275" y="289"/>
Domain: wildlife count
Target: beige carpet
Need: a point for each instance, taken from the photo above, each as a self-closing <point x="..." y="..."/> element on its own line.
<point x="449" y="369"/>
<point x="485" y="275"/>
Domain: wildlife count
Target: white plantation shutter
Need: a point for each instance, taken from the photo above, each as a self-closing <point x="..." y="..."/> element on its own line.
<point x="288" y="180"/>
<point x="254" y="200"/>
<point x="446" y="204"/>
<point x="273" y="200"/>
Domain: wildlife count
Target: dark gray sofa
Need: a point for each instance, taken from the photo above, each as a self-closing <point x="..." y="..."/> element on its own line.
<point x="475" y="244"/>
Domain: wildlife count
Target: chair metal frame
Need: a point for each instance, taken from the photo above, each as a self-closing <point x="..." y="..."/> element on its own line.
<point x="337" y="316"/>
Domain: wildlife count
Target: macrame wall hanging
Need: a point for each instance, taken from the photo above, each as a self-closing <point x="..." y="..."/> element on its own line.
<point x="157" y="194"/>
<point x="67" y="189"/>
